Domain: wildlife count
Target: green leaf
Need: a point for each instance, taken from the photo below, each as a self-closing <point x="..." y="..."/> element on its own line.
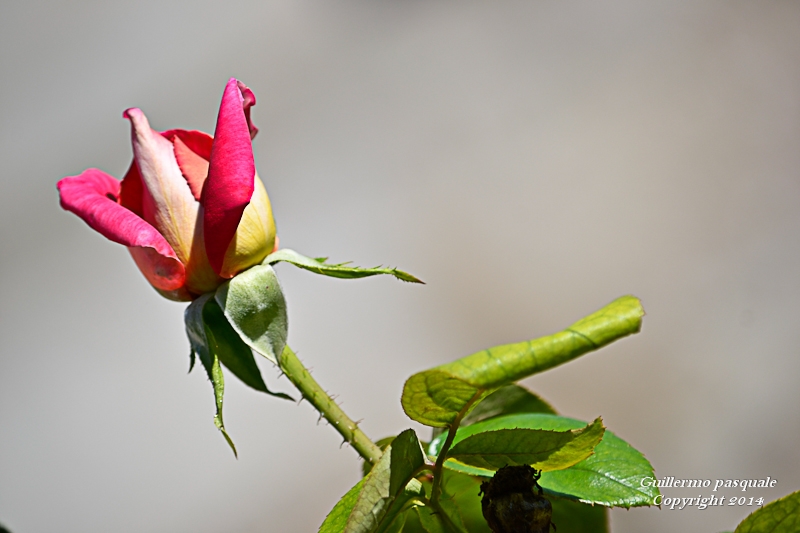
<point x="407" y="458"/>
<point x="780" y="516"/>
<point x="429" y="521"/>
<point x="366" y="466"/>
<point x="422" y="518"/>
<point x="612" y="476"/>
<point x="435" y="397"/>
<point x="507" y="400"/>
<point x="543" y="449"/>
<point x="336" y="520"/>
<point x="255" y="307"/>
<point x="394" y="515"/>
<point x="449" y="505"/>
<point x="387" y="487"/>
<point x="462" y="493"/>
<point x="569" y="516"/>
<point x="398" y="523"/>
<point x="575" y="517"/>
<point x="505" y="364"/>
<point x="340" y="270"/>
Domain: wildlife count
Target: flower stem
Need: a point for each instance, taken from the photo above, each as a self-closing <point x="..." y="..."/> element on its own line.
<point x="329" y="409"/>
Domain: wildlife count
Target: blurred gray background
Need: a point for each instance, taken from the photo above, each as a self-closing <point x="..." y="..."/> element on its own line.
<point x="531" y="161"/>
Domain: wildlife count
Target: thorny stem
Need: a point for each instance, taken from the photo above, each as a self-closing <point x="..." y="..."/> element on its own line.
<point x="329" y="409"/>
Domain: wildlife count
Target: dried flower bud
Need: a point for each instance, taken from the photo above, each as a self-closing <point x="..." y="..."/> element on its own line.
<point x="510" y="504"/>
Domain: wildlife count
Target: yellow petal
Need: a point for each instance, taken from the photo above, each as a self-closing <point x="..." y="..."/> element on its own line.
<point x="255" y="236"/>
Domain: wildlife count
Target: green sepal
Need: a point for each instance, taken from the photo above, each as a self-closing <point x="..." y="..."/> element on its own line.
<point x="437" y="396"/>
<point x="213" y="341"/>
<point x="254" y="305"/>
<point x="780" y="516"/>
<point x="613" y="476"/>
<point x="197" y="332"/>
<point x="544" y="450"/>
<point x="338" y="270"/>
<point x="217" y="337"/>
<point x="233" y="353"/>
<point x="218" y="381"/>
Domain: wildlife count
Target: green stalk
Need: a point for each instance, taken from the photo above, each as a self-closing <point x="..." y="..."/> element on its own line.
<point x="436" y="487"/>
<point x="329" y="409"/>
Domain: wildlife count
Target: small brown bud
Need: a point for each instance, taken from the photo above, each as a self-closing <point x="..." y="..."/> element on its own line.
<point x="510" y="504"/>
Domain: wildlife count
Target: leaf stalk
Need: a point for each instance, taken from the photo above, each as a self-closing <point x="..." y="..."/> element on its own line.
<point x="436" y="487"/>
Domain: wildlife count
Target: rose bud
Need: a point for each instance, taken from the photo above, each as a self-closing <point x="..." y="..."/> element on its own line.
<point x="191" y="209"/>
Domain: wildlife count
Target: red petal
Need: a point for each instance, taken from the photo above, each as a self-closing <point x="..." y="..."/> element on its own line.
<point x="198" y="142"/>
<point x="92" y="195"/>
<point x="249" y="101"/>
<point x="231" y="175"/>
<point x="167" y="201"/>
<point x="193" y="167"/>
<point x="130" y="195"/>
<point x="192" y="150"/>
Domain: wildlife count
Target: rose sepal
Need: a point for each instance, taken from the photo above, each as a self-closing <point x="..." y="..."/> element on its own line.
<point x="245" y="314"/>
<point x="320" y="265"/>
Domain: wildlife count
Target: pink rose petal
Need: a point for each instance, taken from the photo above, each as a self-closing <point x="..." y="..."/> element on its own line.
<point x="231" y="175"/>
<point x="93" y="196"/>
